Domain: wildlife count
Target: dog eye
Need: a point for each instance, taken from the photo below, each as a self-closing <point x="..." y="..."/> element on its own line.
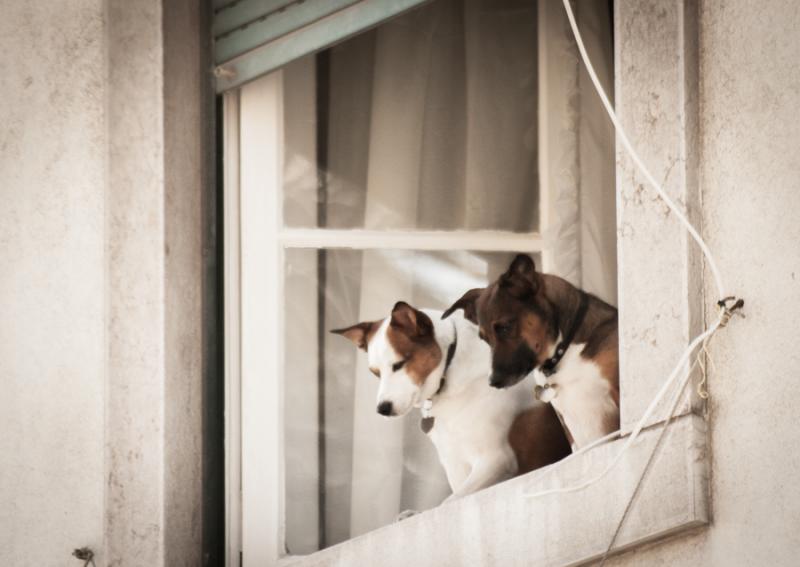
<point x="502" y="329"/>
<point x="398" y="365"/>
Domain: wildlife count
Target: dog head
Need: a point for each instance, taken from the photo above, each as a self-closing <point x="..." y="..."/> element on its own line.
<point x="515" y="318"/>
<point x="404" y="354"/>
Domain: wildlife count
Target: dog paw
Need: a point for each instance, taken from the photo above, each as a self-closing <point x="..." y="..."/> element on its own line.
<point x="405" y="514"/>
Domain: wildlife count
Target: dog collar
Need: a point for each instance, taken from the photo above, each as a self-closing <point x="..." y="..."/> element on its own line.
<point x="451" y="352"/>
<point x="426" y="424"/>
<point x="549" y="366"/>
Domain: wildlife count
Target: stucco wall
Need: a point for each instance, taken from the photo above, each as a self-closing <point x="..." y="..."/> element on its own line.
<point x="52" y="285"/>
<point x="750" y="187"/>
<point x="101" y="178"/>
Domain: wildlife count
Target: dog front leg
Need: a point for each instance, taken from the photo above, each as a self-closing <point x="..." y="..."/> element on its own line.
<point x="484" y="474"/>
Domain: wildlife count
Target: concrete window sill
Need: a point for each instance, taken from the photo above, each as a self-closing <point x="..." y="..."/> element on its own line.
<point x="500" y="526"/>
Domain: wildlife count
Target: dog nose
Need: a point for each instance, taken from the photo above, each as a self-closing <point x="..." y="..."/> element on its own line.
<point x="497" y="380"/>
<point x="385" y="408"/>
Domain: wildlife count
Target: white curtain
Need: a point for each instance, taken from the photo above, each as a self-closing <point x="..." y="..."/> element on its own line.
<point x="434" y="123"/>
<point x="597" y="156"/>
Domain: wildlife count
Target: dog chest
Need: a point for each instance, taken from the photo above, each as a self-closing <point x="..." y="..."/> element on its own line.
<point x="583" y="397"/>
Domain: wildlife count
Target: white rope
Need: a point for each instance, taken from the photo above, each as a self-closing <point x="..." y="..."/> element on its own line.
<point x="651" y="459"/>
<point x="676" y="374"/>
<point x="623" y="137"/>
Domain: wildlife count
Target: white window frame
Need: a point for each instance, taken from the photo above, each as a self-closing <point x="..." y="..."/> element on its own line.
<point x="574" y="527"/>
<point x="255" y="249"/>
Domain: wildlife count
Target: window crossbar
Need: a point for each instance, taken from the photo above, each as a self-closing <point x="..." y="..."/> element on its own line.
<point x="482" y="241"/>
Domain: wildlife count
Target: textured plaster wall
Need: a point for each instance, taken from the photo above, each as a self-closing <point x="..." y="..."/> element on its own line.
<point x="750" y="187"/>
<point x="155" y="181"/>
<point x="186" y="80"/>
<point x="101" y="179"/>
<point x="52" y="283"/>
<point x="136" y="285"/>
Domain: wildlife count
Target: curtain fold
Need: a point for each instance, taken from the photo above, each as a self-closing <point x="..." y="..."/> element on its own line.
<point x="598" y="204"/>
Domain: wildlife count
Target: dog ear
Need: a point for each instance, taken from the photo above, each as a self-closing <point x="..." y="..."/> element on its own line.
<point x="521" y="278"/>
<point x="359" y="333"/>
<point x="411" y="321"/>
<point x="467" y="303"/>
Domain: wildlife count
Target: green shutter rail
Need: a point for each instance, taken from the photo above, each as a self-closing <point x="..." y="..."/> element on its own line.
<point x="254" y="37"/>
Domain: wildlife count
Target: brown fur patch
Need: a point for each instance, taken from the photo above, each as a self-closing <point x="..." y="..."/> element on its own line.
<point x="536" y="333"/>
<point x="421" y="352"/>
<point x="611" y="420"/>
<point x="361" y="333"/>
<point x="607" y="360"/>
<point x="467" y="303"/>
<point x="537" y="438"/>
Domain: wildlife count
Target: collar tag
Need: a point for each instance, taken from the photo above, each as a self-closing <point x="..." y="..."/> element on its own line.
<point x="545" y="393"/>
<point x="426" y="424"/>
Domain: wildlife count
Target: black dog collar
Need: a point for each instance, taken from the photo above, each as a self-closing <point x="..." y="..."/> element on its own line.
<point x="548" y="367"/>
<point x="426" y="423"/>
<point x="451" y="352"/>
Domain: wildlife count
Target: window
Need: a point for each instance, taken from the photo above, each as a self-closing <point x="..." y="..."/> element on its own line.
<point x="362" y="175"/>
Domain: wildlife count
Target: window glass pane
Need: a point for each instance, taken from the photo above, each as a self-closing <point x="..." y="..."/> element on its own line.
<point x="348" y="469"/>
<point x="428" y="121"/>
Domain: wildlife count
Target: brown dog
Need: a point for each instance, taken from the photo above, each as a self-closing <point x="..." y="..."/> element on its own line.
<point x="569" y="338"/>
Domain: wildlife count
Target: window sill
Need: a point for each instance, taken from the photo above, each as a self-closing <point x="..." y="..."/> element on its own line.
<point x="499" y="526"/>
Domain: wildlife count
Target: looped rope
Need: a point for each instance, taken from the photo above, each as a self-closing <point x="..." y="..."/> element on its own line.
<point x="727" y="312"/>
<point x="702" y="391"/>
<point x="649" y="462"/>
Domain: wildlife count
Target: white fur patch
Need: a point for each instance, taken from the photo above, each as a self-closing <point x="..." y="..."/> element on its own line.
<point x="582" y="396"/>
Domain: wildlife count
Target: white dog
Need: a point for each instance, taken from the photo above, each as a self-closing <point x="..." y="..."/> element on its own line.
<point x="483" y="435"/>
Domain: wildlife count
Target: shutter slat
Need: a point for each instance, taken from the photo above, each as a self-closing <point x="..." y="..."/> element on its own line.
<point x="244" y="12"/>
<point x="219" y="4"/>
<point x="275" y="25"/>
<point x="288" y="31"/>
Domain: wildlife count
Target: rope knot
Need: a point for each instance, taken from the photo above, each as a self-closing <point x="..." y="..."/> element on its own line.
<point x="728" y="311"/>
